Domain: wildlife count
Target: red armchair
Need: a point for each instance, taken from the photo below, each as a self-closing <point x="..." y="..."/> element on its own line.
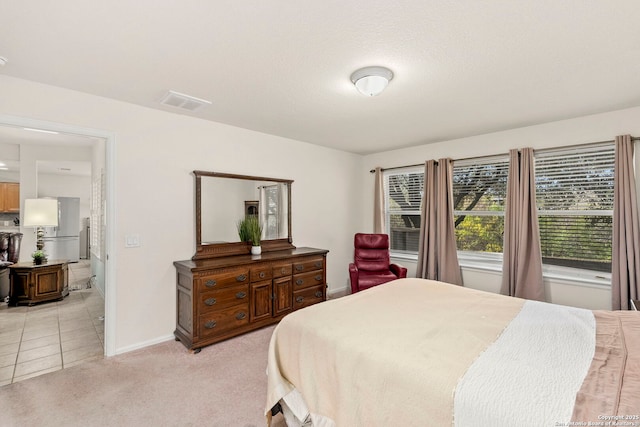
<point x="371" y="265"/>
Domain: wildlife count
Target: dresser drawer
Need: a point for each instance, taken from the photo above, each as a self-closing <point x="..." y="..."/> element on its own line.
<point x="222" y="279"/>
<point x="308" y="264"/>
<point x="282" y="269"/>
<point x="262" y="272"/>
<point x="308" y="296"/>
<point x="221" y="321"/>
<point x="223" y="298"/>
<point x="305" y="280"/>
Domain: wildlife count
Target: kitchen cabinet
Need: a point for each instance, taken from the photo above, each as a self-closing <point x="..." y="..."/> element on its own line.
<point x="9" y="197"/>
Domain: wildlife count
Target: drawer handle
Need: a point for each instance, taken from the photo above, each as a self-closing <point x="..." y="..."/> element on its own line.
<point x="262" y="275"/>
<point x="299" y="299"/>
<point x="299" y="282"/>
<point x="283" y="271"/>
<point x="318" y="277"/>
<point x="241" y="315"/>
<point x="241" y="278"/>
<point x="241" y="295"/>
<point x="210" y="324"/>
<point x="319" y="264"/>
<point x="210" y="283"/>
<point x="299" y="267"/>
<point x="318" y="294"/>
<point x="210" y="301"/>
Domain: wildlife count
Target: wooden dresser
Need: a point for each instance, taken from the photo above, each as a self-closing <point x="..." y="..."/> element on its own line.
<point x="220" y="298"/>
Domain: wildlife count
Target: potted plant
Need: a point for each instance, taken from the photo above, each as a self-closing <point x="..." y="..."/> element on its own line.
<point x="250" y="230"/>
<point x="38" y="257"/>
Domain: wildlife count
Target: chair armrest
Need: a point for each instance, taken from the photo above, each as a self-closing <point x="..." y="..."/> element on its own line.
<point x="398" y="270"/>
<point x="353" y="277"/>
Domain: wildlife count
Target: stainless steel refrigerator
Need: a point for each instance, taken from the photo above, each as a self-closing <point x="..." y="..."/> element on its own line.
<point x="63" y="241"/>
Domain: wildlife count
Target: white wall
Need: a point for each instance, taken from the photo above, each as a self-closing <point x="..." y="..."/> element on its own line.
<point x="599" y="127"/>
<point x="155" y="153"/>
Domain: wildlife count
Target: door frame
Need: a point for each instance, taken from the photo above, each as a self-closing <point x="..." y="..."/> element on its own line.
<point x="109" y="256"/>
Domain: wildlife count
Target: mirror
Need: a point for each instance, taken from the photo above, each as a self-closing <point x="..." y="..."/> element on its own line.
<point x="223" y="199"/>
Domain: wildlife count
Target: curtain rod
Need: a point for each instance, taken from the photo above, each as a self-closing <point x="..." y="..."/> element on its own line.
<point x="484" y="157"/>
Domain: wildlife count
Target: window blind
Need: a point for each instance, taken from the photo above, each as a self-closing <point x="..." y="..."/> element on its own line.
<point x="574" y="195"/>
<point x="403" y="199"/>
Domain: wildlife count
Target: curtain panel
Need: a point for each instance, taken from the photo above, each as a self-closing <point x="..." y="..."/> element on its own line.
<point x="625" y="256"/>
<point x="437" y="252"/>
<point x="378" y="203"/>
<point x="522" y="259"/>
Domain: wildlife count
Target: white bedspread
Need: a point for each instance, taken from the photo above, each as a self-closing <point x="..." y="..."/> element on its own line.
<point x="531" y="374"/>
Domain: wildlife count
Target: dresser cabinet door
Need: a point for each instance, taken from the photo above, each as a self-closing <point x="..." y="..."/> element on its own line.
<point x="261" y="301"/>
<point x="282" y="295"/>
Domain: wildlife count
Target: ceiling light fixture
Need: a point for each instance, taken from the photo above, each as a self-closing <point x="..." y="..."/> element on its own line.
<point x="371" y="81"/>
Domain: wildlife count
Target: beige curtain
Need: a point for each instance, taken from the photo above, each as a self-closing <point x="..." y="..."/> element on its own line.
<point x="522" y="262"/>
<point x="378" y="203"/>
<point x="437" y="253"/>
<point x="625" y="257"/>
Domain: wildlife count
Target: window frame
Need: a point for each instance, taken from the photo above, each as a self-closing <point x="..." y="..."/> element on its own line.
<point x="419" y="170"/>
<point x="492" y="261"/>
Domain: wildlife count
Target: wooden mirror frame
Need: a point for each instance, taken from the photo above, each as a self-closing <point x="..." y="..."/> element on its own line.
<point x="215" y="250"/>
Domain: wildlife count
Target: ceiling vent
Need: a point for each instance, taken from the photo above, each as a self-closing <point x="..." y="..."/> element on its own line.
<point x="186" y="102"/>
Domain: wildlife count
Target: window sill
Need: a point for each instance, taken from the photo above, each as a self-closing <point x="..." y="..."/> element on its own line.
<point x="493" y="263"/>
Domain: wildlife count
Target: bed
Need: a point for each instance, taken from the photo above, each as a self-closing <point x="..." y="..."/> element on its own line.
<point x="417" y="352"/>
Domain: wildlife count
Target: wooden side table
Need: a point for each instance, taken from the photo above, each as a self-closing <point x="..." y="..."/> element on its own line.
<point x="31" y="283"/>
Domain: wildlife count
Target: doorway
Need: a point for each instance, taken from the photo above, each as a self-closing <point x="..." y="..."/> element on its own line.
<point x="103" y="144"/>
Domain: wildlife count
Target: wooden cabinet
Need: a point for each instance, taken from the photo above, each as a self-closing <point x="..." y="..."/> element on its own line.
<point x="9" y="197"/>
<point x="220" y="298"/>
<point x="32" y="283"/>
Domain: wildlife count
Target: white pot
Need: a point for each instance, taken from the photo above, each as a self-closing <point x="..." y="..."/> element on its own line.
<point x="256" y="250"/>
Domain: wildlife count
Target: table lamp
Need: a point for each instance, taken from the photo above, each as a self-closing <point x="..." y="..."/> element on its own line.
<point x="40" y="213"/>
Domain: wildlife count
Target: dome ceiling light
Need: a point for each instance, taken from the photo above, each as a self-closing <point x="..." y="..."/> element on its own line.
<point x="371" y="81"/>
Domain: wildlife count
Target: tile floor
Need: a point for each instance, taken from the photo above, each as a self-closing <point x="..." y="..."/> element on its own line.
<point x="52" y="335"/>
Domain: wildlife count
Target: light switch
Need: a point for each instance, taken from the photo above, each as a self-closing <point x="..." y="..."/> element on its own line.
<point x="132" y="241"/>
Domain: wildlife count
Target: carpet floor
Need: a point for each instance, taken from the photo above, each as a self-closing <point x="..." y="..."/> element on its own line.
<point x="162" y="385"/>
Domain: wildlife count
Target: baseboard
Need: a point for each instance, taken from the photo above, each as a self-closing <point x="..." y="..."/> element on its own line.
<point x="144" y="344"/>
<point x="338" y="293"/>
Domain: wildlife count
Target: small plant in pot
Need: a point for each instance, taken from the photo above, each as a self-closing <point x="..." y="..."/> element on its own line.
<point x="250" y="230"/>
<point x="39" y="257"/>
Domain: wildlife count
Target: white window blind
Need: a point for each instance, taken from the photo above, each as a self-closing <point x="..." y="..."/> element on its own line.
<point x="403" y="198"/>
<point x="574" y="195"/>
<point x="479" y="194"/>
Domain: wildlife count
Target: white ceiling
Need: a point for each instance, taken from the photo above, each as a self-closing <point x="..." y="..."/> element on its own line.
<point x="282" y="67"/>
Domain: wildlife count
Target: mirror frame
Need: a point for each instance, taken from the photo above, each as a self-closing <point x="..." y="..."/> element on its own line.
<point x="216" y="250"/>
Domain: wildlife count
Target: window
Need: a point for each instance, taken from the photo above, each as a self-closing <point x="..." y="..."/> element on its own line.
<point x="403" y="197"/>
<point x="574" y="197"/>
<point x="574" y="192"/>
<point x="270" y="205"/>
<point x="479" y="194"/>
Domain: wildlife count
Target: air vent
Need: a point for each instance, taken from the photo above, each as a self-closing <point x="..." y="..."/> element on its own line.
<point x="186" y="102"/>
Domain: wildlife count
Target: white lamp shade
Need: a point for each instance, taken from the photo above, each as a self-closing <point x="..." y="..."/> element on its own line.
<point x="40" y="213"/>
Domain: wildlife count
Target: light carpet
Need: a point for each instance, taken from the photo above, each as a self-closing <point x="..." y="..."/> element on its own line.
<point x="162" y="385"/>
